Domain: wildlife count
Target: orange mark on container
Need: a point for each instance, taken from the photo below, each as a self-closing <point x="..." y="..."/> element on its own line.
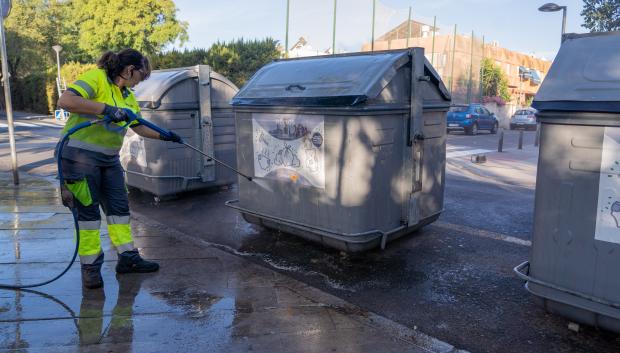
<point x="294" y="177"/>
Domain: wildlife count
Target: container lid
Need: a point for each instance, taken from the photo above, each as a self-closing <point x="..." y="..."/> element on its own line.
<point x="149" y="93"/>
<point x="585" y="75"/>
<point x="339" y="80"/>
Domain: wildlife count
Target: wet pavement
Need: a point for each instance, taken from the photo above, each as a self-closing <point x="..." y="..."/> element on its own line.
<point x="205" y="298"/>
<point x="452" y="280"/>
<point x="224" y="280"/>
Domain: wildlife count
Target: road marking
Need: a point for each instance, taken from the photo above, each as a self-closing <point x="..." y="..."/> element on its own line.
<point x="31" y="125"/>
<point x="466" y="153"/>
<point x="482" y="233"/>
<point x="21" y="123"/>
<point x="456" y="148"/>
<point x="51" y="125"/>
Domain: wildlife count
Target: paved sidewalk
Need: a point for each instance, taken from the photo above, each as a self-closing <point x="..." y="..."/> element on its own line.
<point x="203" y="299"/>
<point x="513" y="166"/>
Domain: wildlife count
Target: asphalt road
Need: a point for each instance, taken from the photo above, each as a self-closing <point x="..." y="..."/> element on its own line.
<point x="485" y="140"/>
<point x="452" y="279"/>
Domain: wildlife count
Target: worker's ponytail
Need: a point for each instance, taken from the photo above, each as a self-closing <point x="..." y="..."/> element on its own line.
<point x="114" y="63"/>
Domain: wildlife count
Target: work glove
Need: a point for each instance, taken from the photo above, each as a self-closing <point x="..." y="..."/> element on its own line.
<point x="115" y="114"/>
<point x="67" y="197"/>
<point x="170" y="136"/>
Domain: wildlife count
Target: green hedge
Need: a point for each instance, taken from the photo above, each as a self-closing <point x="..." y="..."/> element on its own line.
<point x="237" y="59"/>
<point x="69" y="72"/>
<point x="28" y="93"/>
<point x="37" y="92"/>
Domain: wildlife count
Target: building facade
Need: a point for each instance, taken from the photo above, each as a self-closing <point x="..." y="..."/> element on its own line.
<point x="458" y="60"/>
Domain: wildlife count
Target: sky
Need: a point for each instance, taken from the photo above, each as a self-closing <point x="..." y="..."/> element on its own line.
<point x="515" y="24"/>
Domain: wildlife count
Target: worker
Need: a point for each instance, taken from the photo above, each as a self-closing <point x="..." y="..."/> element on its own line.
<point x="90" y="159"/>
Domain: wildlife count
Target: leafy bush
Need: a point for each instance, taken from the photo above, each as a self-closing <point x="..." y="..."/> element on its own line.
<point x="494" y="83"/>
<point x="69" y="73"/>
<point x="177" y="58"/>
<point x="238" y="60"/>
<point x="28" y="93"/>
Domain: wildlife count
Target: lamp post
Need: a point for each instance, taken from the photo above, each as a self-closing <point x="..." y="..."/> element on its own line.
<point x="552" y="7"/>
<point x="5" y="9"/>
<point x="57" y="48"/>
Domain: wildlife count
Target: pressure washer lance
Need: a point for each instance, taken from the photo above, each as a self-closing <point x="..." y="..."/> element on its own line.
<point x="167" y="133"/>
<point x="61" y="144"/>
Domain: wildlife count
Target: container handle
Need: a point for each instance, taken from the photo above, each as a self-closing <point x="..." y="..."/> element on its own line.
<point x="300" y="87"/>
<point x="519" y="271"/>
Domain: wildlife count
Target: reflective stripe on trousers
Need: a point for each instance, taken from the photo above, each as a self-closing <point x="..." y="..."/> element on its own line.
<point x="90" y="241"/>
<point x="107" y="189"/>
<point x="120" y="232"/>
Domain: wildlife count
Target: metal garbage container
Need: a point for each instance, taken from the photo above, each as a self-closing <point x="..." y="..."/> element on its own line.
<point x="348" y="150"/>
<point x="575" y="253"/>
<point x="195" y="103"/>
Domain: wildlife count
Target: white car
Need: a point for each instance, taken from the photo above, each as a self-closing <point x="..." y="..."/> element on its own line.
<point x="524" y="119"/>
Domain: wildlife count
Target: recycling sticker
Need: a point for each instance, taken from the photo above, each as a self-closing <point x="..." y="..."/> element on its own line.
<point x="608" y="210"/>
<point x="289" y="147"/>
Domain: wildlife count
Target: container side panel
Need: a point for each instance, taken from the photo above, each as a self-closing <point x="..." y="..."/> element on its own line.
<point x="397" y="91"/>
<point x="362" y="165"/>
<point x="167" y="166"/>
<point x="434" y="165"/>
<point x="224" y="138"/>
<point x="434" y="125"/>
<point x="564" y="250"/>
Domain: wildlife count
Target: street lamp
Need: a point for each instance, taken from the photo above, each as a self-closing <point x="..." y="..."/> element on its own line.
<point x="551" y="7"/>
<point x="57" y="48"/>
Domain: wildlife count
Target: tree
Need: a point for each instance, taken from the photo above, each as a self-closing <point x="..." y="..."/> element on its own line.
<point x="240" y="59"/>
<point x="601" y="15"/>
<point x="29" y="47"/>
<point x="177" y="58"/>
<point x="31" y="29"/>
<point x="145" y="25"/>
<point x="494" y="82"/>
<point x="84" y="28"/>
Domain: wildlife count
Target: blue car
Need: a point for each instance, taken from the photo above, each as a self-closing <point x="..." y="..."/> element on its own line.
<point x="471" y="119"/>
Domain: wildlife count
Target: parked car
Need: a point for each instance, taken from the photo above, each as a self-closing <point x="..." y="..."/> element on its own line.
<point x="524" y="119"/>
<point x="471" y="119"/>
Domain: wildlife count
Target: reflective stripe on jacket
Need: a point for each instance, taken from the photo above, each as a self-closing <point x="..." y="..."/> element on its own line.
<point x="95" y="85"/>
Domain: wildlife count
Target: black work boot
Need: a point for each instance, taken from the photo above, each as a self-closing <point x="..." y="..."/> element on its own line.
<point x="131" y="261"/>
<point x="91" y="274"/>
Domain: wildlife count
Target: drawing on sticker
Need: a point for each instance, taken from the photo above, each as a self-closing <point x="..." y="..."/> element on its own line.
<point x="615" y="210"/>
<point x="291" y="142"/>
<point x="264" y="160"/>
<point x="312" y="161"/>
<point x="286" y="130"/>
<point x="261" y="138"/>
<point x="287" y="157"/>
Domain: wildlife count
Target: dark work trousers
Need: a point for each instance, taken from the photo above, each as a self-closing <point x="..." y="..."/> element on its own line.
<point x="107" y="189"/>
